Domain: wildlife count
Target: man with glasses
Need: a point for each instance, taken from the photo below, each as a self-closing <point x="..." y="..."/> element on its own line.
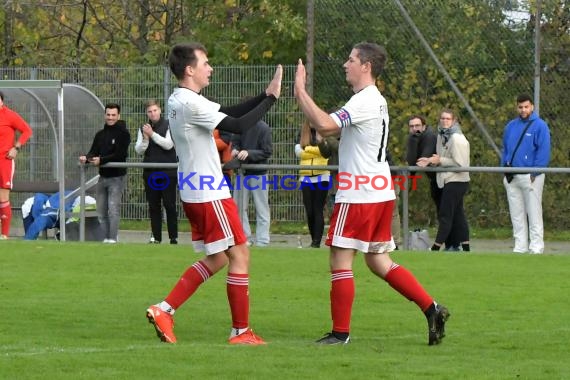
<point x="421" y="144"/>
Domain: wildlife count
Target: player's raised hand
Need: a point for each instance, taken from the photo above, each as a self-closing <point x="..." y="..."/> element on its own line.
<point x="274" y="87"/>
<point x="300" y="77"/>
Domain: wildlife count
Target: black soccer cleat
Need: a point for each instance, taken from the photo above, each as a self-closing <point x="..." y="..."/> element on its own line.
<point x="436" y="324"/>
<point x="331" y="339"/>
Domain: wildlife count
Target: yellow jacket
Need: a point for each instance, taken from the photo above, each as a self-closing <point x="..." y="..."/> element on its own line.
<point x="311" y="155"/>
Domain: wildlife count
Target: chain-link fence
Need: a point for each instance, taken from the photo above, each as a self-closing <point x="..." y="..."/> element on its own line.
<point x="130" y="88"/>
<point x="488" y="59"/>
<point x="486" y="50"/>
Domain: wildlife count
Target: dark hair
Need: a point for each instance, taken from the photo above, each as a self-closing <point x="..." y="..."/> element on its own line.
<point x="422" y="119"/>
<point x="113" y="106"/>
<point x="2" y="95"/>
<point x="524" y="98"/>
<point x="182" y="56"/>
<point x="373" y="53"/>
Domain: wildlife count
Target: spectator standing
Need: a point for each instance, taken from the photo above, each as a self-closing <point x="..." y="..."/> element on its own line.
<point x="10" y="123"/>
<point x="362" y="215"/>
<point x="160" y="184"/>
<point x="254" y="146"/>
<point x="212" y="213"/>
<point x="313" y="150"/>
<point x="110" y="144"/>
<point x="422" y="142"/>
<point x="526" y="143"/>
<point x="452" y="150"/>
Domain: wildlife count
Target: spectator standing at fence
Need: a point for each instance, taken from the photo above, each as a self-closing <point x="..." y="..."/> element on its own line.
<point x="313" y="150"/>
<point x="160" y="184"/>
<point x="254" y="146"/>
<point x="526" y="143"/>
<point x="10" y="123"/>
<point x="110" y="144"/>
<point x="212" y="213"/>
<point x="422" y="142"/>
<point x="452" y="150"/>
<point x="362" y="215"/>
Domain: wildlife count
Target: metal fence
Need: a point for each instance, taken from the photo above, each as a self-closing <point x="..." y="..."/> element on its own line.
<point x="131" y="87"/>
<point x="489" y="62"/>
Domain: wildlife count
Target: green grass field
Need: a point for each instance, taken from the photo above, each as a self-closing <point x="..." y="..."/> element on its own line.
<point x="76" y="311"/>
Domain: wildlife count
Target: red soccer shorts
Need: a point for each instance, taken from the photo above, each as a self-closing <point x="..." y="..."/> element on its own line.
<point x="365" y="227"/>
<point x="215" y="225"/>
<point x="7" y="168"/>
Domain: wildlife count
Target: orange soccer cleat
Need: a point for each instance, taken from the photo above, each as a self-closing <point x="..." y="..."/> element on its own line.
<point x="247" y="337"/>
<point x="162" y="322"/>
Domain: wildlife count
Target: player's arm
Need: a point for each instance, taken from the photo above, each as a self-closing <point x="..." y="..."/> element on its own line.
<point x="25" y="131"/>
<point x="241" y="124"/>
<point x="244" y="107"/>
<point x="319" y="119"/>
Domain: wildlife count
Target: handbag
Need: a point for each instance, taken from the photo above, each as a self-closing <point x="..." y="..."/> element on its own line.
<point x="509" y="176"/>
<point x="419" y="240"/>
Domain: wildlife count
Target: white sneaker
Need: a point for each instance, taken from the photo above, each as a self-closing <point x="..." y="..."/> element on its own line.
<point x="105" y="241"/>
<point x="109" y="241"/>
<point x="3" y="237"/>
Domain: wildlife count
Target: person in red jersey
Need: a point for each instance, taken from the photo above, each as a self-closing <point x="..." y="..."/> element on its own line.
<point x="362" y="215"/>
<point x="211" y="211"/>
<point x="10" y="122"/>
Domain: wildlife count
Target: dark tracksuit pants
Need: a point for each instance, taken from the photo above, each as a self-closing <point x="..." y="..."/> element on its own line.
<point x="451" y="215"/>
<point x="156" y="198"/>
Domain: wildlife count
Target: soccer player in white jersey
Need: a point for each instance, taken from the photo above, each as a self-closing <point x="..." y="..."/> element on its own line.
<point x="362" y="214"/>
<point x="213" y="216"/>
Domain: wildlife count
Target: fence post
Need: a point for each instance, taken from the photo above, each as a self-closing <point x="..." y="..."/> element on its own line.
<point x="404" y="195"/>
<point x="82" y="169"/>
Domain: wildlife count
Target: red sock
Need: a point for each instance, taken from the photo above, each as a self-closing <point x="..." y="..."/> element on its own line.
<point x="5" y="217"/>
<point x="237" y="287"/>
<point x="342" y="297"/>
<point x="406" y="284"/>
<point x="194" y="276"/>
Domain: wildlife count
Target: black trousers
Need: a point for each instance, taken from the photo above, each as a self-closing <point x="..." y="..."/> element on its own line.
<point x="158" y="195"/>
<point x="451" y="215"/>
<point x="435" y="191"/>
<point x="314" y="200"/>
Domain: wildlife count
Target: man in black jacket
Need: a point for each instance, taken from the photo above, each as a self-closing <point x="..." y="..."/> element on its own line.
<point x="110" y="144"/>
<point x="160" y="184"/>
<point x="254" y="146"/>
<point x="421" y="143"/>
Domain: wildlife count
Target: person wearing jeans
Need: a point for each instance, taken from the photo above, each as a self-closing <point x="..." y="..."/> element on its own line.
<point x="254" y="146"/>
<point x="110" y="144"/>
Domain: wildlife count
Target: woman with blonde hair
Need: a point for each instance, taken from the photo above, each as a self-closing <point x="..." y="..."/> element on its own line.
<point x="315" y="183"/>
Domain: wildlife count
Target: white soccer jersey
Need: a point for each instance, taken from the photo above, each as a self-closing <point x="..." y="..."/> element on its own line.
<point x="364" y="122"/>
<point x="193" y="119"/>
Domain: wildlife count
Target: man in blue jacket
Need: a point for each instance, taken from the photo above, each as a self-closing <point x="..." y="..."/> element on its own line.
<point x="526" y="143"/>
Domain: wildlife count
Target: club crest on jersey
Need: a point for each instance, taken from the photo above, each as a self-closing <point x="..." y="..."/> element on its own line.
<point x="344" y="117"/>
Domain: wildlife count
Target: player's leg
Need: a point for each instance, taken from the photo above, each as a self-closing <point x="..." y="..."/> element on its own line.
<point x="342" y="291"/>
<point x="237" y="280"/>
<point x="7" y="168"/>
<point x="401" y="279"/>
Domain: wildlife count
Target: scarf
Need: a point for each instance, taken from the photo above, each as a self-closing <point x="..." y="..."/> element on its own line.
<point x="446" y="133"/>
